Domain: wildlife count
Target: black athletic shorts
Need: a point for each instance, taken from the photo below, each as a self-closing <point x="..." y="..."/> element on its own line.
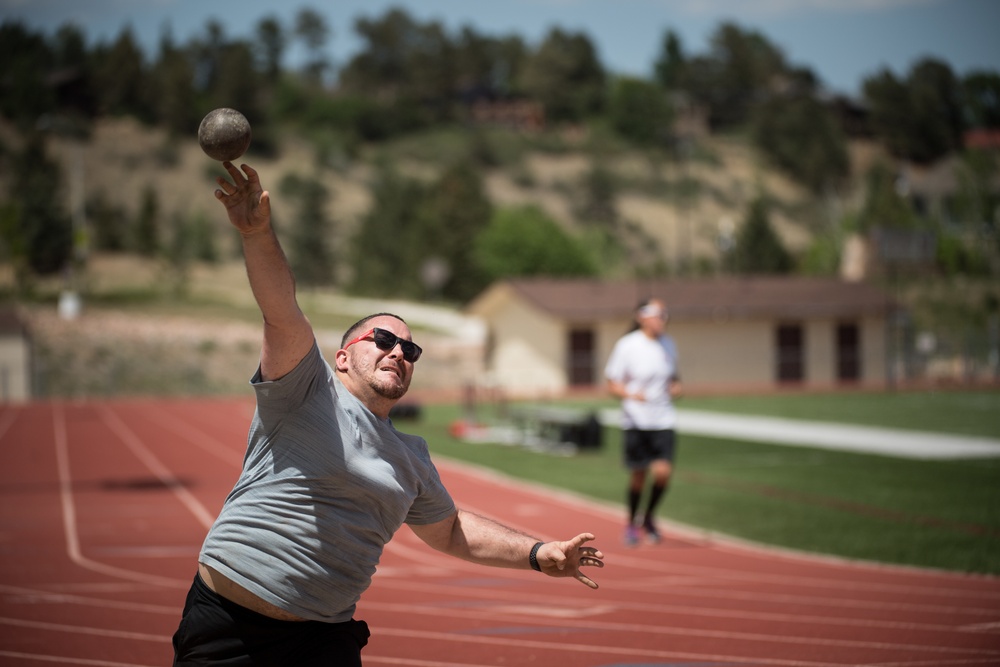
<point x="644" y="447"/>
<point x="215" y="631"/>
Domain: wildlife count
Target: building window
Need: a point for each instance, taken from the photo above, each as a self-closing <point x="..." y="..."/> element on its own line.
<point x="580" y="363"/>
<point x="790" y="353"/>
<point x="848" y="352"/>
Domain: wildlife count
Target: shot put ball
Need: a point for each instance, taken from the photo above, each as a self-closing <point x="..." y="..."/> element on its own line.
<point x="224" y="134"/>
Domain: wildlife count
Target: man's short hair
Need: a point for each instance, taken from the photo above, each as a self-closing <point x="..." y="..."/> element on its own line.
<point x="355" y="328"/>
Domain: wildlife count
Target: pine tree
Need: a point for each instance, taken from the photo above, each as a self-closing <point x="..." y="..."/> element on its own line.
<point x="42" y="229"/>
<point x="310" y="253"/>
<point x="147" y="224"/>
<point x="758" y="248"/>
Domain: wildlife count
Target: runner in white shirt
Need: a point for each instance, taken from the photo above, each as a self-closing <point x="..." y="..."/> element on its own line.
<point x="643" y="372"/>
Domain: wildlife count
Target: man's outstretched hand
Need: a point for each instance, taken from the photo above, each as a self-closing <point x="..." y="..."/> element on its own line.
<point x="564" y="559"/>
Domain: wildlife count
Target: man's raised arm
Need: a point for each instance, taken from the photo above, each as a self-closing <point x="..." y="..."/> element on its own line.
<point x="288" y="336"/>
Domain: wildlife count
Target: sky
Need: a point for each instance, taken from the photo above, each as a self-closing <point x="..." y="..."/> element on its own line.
<point x="841" y="41"/>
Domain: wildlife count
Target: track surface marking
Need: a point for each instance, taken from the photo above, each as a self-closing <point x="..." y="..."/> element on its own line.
<point x="105" y="504"/>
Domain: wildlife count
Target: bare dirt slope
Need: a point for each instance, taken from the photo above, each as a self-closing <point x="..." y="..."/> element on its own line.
<point x="123" y="158"/>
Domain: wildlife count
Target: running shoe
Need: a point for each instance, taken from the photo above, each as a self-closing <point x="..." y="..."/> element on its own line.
<point x="652" y="534"/>
<point x="631" y="536"/>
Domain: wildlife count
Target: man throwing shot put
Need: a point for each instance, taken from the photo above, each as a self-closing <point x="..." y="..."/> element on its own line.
<point x="326" y="482"/>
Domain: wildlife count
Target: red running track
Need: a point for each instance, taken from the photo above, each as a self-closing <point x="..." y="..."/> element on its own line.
<point x="104" y="506"/>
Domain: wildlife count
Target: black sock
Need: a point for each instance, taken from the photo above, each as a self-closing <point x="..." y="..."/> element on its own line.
<point x="633" y="505"/>
<point x="659" y="490"/>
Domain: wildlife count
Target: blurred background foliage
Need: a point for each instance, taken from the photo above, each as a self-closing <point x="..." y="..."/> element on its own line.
<point x="437" y="235"/>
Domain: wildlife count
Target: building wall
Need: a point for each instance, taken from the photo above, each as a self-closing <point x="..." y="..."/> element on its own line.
<point x="728" y="353"/>
<point x="15" y="369"/>
<point x="735" y="353"/>
<point x="711" y="353"/>
<point x="821" y="350"/>
<point x="528" y="350"/>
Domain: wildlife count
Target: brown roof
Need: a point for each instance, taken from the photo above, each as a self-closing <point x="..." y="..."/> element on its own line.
<point x="715" y="298"/>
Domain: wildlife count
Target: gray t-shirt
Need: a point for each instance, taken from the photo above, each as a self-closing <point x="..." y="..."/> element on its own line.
<point x="325" y="484"/>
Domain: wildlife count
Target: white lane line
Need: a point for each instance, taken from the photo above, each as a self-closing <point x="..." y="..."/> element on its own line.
<point x="986" y="662"/>
<point x="981" y="627"/>
<point x="63" y="660"/>
<point x="84" y="630"/>
<point x="162" y="473"/>
<point x="538" y="617"/>
<point x="591" y="649"/>
<point x="25" y="596"/>
<point x="419" y="663"/>
<point x="195" y="436"/>
<point x="435" y="564"/>
<point x="70" y="519"/>
<point x="499" y="596"/>
<point x="859" y="603"/>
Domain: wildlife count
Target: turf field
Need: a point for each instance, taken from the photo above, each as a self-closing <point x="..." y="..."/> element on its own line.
<point x="941" y="514"/>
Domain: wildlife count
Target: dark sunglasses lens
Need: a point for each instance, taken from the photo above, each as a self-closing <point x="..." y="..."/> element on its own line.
<point x="386" y="340"/>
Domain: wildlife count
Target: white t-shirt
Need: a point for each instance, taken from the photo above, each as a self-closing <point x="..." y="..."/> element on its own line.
<point x="645" y="365"/>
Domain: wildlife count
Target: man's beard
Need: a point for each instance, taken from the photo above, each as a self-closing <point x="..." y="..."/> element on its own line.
<point x="387" y="390"/>
<point x="385" y="386"/>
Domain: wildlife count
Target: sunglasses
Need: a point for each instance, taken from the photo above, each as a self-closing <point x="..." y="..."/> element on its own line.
<point x="386" y="340"/>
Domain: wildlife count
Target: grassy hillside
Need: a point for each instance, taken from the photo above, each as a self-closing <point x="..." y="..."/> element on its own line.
<point x="680" y="206"/>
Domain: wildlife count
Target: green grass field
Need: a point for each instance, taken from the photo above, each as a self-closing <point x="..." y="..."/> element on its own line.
<point x="940" y="514"/>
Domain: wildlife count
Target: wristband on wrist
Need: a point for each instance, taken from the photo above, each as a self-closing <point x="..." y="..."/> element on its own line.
<point x="533" y="557"/>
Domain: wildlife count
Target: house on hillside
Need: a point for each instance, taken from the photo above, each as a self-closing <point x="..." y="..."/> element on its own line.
<point x="549" y="336"/>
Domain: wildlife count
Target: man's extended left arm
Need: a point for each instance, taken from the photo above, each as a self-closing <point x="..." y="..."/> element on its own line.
<point x="481" y="540"/>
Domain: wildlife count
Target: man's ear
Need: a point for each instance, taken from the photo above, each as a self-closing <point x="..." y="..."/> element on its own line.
<point x="341" y="360"/>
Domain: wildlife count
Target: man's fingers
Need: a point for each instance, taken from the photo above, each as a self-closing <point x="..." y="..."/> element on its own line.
<point x="265" y="203"/>
<point x="584" y="579"/>
<point x="233" y="171"/>
<point x="225" y="185"/>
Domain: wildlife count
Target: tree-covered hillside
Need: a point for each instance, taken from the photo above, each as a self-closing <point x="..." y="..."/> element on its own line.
<point x="432" y="163"/>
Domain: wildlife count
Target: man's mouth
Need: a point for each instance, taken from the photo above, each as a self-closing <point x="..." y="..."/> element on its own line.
<point x="392" y="369"/>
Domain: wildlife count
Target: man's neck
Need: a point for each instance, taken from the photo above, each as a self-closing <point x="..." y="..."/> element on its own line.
<point x="377" y="404"/>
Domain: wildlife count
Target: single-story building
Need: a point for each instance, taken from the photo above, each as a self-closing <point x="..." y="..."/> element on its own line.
<point x="553" y="335"/>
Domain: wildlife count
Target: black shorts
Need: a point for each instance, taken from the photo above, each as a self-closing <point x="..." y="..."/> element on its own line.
<point x="644" y="447"/>
<point x="215" y="631"/>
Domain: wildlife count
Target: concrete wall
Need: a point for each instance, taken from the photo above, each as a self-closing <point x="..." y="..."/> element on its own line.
<point x="15" y="369"/>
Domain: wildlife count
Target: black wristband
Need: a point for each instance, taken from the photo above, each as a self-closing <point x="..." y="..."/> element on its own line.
<point x="533" y="557"/>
